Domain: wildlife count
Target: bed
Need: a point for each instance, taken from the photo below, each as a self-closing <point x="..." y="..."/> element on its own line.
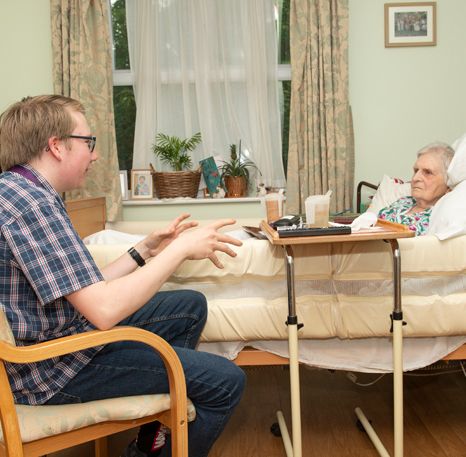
<point x="344" y="297"/>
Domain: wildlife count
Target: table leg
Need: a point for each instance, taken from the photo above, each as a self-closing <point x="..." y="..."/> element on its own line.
<point x="293" y="449"/>
<point x="398" y="323"/>
<point x="397" y="342"/>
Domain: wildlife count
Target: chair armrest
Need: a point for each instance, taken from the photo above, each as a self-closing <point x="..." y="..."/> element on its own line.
<point x="80" y="341"/>
<point x="65" y="345"/>
<point x="61" y="346"/>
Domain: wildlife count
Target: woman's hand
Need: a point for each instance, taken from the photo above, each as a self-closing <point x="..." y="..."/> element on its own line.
<point x="159" y="239"/>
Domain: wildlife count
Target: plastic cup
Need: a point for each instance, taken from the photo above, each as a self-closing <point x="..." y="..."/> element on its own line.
<point x="274" y="206"/>
<point x="317" y="210"/>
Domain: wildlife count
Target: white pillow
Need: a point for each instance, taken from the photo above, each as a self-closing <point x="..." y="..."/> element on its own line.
<point x="457" y="169"/>
<point x="448" y="217"/>
<point x="109" y="236"/>
<point x="389" y="191"/>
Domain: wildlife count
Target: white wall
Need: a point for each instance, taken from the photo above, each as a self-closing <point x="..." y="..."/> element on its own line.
<point x="25" y="50"/>
<point x="404" y="98"/>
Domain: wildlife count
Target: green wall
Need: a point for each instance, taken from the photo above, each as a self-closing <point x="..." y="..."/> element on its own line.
<point x="25" y="50"/>
<point x="402" y="98"/>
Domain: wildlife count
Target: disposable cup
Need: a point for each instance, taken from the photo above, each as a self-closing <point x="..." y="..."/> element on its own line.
<point x="274" y="206"/>
<point x="317" y="210"/>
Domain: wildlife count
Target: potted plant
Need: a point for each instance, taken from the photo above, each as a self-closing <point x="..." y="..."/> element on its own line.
<point x="174" y="151"/>
<point x="235" y="173"/>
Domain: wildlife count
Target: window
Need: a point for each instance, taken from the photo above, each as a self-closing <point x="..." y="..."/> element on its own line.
<point x="123" y="98"/>
<point x="284" y="71"/>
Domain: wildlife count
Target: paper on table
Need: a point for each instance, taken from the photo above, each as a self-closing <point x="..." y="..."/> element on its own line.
<point x="364" y="222"/>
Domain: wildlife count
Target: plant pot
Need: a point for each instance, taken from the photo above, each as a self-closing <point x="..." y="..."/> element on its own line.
<point x="172" y="184"/>
<point x="236" y="186"/>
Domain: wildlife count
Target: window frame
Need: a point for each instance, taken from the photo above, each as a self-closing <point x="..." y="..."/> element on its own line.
<point x="125" y="77"/>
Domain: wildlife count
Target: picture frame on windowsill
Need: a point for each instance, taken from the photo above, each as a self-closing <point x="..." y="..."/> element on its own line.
<point x="141" y="184"/>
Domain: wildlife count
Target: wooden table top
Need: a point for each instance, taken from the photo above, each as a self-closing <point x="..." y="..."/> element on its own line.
<point x="387" y="231"/>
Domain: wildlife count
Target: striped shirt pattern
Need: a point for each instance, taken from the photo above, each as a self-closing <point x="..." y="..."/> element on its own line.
<point x="42" y="259"/>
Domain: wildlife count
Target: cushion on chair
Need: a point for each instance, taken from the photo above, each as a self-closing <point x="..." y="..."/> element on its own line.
<point x="37" y="422"/>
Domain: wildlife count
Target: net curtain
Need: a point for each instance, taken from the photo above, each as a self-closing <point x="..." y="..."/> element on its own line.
<point x="207" y="66"/>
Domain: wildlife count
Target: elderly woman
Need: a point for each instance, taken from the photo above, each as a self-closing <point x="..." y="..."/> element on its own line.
<point x="428" y="185"/>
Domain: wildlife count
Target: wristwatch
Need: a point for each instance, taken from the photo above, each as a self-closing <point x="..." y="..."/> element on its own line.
<point x="136" y="256"/>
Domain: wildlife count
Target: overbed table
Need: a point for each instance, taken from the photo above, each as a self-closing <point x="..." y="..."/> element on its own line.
<point x="389" y="232"/>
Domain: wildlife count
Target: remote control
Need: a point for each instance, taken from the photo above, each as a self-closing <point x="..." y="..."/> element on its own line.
<point x="286" y="232"/>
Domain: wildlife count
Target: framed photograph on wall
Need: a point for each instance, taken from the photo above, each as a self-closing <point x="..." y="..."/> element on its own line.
<point x="410" y="24"/>
<point x="141" y="184"/>
<point x="124" y="184"/>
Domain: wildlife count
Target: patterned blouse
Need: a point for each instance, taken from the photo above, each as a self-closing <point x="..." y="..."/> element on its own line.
<point x="397" y="212"/>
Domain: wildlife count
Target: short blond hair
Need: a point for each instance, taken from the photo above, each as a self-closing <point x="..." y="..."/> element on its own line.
<point x="27" y="125"/>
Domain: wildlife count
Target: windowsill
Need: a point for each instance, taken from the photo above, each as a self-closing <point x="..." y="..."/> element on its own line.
<point x="188" y="201"/>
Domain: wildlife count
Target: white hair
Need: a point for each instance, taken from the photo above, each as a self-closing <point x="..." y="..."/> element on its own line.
<point x="442" y="150"/>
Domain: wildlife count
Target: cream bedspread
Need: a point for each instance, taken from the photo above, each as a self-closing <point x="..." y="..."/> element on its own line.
<point x="343" y="290"/>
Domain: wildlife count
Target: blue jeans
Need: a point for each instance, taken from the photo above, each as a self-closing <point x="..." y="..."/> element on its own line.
<point x="214" y="384"/>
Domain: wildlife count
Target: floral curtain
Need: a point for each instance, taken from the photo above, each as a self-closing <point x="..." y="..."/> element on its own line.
<point x="82" y="69"/>
<point x="321" y="148"/>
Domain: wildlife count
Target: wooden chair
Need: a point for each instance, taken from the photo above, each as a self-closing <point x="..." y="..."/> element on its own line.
<point x="93" y="420"/>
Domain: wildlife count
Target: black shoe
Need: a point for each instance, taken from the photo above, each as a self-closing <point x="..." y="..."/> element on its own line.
<point x="133" y="451"/>
<point x="159" y="442"/>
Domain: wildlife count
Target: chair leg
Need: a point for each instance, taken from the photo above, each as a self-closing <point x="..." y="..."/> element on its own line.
<point x="100" y="446"/>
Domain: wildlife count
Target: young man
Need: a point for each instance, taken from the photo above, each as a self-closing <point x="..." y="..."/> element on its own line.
<point x="51" y="287"/>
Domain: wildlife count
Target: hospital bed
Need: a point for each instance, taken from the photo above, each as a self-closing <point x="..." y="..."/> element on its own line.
<point x="343" y="293"/>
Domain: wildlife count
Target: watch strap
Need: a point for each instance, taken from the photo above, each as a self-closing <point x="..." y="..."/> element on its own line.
<point x="136" y="257"/>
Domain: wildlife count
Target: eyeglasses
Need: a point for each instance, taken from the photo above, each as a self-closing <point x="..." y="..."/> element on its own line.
<point x="90" y="140"/>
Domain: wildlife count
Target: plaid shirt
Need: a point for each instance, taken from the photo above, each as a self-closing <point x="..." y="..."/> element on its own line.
<point x="42" y="259"/>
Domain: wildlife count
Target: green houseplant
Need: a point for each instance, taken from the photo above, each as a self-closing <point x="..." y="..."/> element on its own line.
<point x="174" y="151"/>
<point x="235" y="173"/>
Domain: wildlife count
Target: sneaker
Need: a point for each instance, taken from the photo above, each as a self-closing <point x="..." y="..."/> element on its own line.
<point x="159" y="439"/>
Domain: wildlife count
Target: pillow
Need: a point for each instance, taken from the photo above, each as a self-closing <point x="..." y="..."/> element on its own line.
<point x="448" y="217"/>
<point x="389" y="191"/>
<point x="457" y="169"/>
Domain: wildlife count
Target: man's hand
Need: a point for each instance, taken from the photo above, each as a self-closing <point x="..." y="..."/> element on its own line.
<point x="203" y="242"/>
<point x="127" y="288"/>
<point x="159" y="239"/>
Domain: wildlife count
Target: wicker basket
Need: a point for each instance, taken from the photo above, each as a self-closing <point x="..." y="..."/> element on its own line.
<point x="171" y="184"/>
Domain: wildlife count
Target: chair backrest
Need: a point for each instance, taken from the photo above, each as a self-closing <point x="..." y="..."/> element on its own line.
<point x="8" y="418"/>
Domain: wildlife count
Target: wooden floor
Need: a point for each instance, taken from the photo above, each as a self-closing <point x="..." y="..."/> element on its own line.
<point x="435" y="416"/>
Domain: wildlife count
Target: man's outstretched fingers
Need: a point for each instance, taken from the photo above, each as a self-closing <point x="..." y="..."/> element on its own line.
<point x="229" y="239"/>
<point x="214" y="259"/>
<point x="222" y="223"/>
